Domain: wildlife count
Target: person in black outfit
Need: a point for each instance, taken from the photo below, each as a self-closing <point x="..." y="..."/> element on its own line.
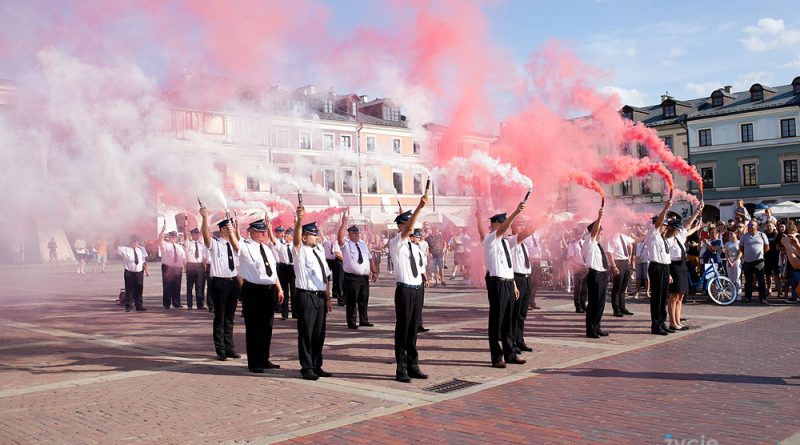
<point x="596" y="278"/>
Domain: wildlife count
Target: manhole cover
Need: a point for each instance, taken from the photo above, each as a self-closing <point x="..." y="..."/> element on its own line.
<point x="450" y="386"/>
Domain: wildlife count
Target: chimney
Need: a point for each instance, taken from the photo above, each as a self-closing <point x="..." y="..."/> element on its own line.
<point x="364" y="99"/>
<point x="665" y="96"/>
<point x="727" y="88"/>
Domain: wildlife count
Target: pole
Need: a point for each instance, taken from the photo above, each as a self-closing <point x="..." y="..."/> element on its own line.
<point x="360" y="179"/>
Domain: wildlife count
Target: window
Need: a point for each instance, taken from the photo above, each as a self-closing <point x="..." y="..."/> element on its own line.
<point x="749" y="177"/>
<point x="347" y="181"/>
<point x="416" y="148"/>
<point x="669" y="110"/>
<point x="707" y="173"/>
<point x="305" y="140"/>
<point x="354" y="108"/>
<point x="796" y="87"/>
<point x="370" y="144"/>
<point x="346" y="142"/>
<point x="396" y="147"/>
<point x="790" y="170"/>
<point x="282" y="138"/>
<point x="716" y="101"/>
<point x="642" y="149"/>
<point x="756" y="95"/>
<point x="626" y="188"/>
<point x="253" y="185"/>
<point x="668" y="142"/>
<point x="705" y="137"/>
<point x="646" y="186"/>
<point x="627" y="115"/>
<point x="372" y="182"/>
<point x="391" y="113"/>
<point x="747" y="132"/>
<point x="417" y="183"/>
<point x="298" y="105"/>
<point x="329" y="179"/>
<point x="397" y="181"/>
<point x="788" y="128"/>
<point x="327" y="141"/>
<point x="327" y="106"/>
<point x="284" y="170"/>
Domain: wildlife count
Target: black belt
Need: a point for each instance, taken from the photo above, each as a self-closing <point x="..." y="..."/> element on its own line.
<point x="348" y="274"/>
<point x="130" y="271"/>
<point x="409" y="286"/>
<point x="224" y="278"/>
<point x="522" y="275"/>
<point x="317" y="292"/>
<point x="500" y="279"/>
<point x="265" y="286"/>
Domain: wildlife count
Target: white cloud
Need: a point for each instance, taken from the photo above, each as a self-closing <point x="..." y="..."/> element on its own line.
<point x="794" y="64"/>
<point x="677" y="52"/>
<point x="703" y="89"/>
<point x="627" y="96"/>
<point x="769" y="33"/>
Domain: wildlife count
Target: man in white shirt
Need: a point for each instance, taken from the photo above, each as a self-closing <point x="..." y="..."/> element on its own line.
<point x="261" y="291"/>
<point x="133" y="260"/>
<point x="173" y="258"/>
<point x="285" y="257"/>
<point x="416" y="238"/>
<point x="596" y="278"/>
<point x="408" y="295"/>
<point x="313" y="297"/>
<point x="501" y="287"/>
<point x="620" y="249"/>
<point x="521" y="262"/>
<point x="658" y="271"/>
<point x="358" y="268"/>
<point x="196" y="254"/>
<point x="333" y="256"/>
<point x="579" y="271"/>
<point x="223" y="253"/>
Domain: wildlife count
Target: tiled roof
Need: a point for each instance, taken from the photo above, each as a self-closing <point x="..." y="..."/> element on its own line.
<point x="783" y="97"/>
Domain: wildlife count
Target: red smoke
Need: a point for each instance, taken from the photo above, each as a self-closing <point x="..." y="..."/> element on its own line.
<point x="639" y="133"/>
<point x="585" y="181"/>
<point x="620" y="168"/>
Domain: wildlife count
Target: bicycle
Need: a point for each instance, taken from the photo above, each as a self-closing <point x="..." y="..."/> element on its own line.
<point x="719" y="289"/>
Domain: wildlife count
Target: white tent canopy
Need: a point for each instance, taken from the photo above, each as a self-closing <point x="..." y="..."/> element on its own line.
<point x="786" y="209"/>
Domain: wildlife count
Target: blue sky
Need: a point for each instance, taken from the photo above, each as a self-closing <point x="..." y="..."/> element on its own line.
<point x="688" y="48"/>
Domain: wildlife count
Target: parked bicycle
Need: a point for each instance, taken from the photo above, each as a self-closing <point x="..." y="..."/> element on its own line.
<point x="719" y="289"/>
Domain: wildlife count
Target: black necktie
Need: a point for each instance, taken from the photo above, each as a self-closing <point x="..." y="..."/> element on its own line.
<point x="666" y="246"/>
<point x="420" y="258"/>
<point x="414" y="270"/>
<point x="175" y="255"/>
<point x="135" y="257"/>
<point x="360" y="256"/>
<point x="603" y="254"/>
<point x="624" y="246"/>
<point x="289" y="249"/>
<point x="231" y="266"/>
<point x="321" y="267"/>
<point x="525" y="254"/>
<point x="196" y="250"/>
<point x="683" y="250"/>
<point x="505" y="248"/>
<point x="266" y="262"/>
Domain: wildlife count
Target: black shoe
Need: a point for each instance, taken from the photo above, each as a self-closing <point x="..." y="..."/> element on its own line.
<point x="210" y="309"/>
<point x="618" y="314"/>
<point x="656" y="330"/>
<point x="580" y="311"/>
<point x="764" y="302"/>
<point x="602" y="333"/>
<point x="402" y="377"/>
<point x="514" y="360"/>
<point x="256" y="370"/>
<point x="592" y="335"/>
<point x="128" y="309"/>
<point x="310" y="375"/>
<point x="517" y="351"/>
<point x="352" y="326"/>
<point x="271" y="365"/>
<point x="367" y="324"/>
<point x="141" y="309"/>
<point x="322" y="373"/>
<point x="747" y="300"/>
<point x="499" y="364"/>
<point x="524" y="347"/>
<point x="417" y="374"/>
<point x="668" y="329"/>
<point x="166" y="307"/>
<point x="626" y="312"/>
<point x="178" y="307"/>
<point x="422" y="329"/>
<point x="221" y="356"/>
<point x="283" y="317"/>
<point x="233" y="354"/>
<point x="340" y="303"/>
<point x="199" y="308"/>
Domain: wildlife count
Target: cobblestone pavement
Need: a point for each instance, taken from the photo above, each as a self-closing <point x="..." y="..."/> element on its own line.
<point x="76" y="368"/>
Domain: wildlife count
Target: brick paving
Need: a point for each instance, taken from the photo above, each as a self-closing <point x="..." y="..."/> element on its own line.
<point x="75" y="368"/>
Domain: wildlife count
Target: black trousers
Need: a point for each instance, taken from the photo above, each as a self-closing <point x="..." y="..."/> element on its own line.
<point x="258" y="307"/>
<point x="754" y="270"/>
<point x="286" y="277"/>
<point x="134" y="285"/>
<point x="408" y="314"/>
<point x="501" y="312"/>
<point x="596" y="284"/>
<point x="580" y="291"/>
<point x="195" y="283"/>
<point x="337" y="283"/>
<point x="535" y="279"/>
<point x="225" y="295"/>
<point x="312" y="314"/>
<point x="619" y="285"/>
<point x="356" y="293"/>
<point x="658" y="275"/>
<point x="171" y="284"/>
<point x="520" y="308"/>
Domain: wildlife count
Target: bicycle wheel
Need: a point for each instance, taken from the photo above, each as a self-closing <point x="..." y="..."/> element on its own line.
<point x="721" y="290"/>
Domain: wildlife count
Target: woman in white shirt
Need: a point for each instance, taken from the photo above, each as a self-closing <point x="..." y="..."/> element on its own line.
<point x="675" y="238"/>
<point x="734" y="260"/>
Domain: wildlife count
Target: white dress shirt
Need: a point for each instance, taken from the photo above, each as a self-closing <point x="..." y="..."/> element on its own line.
<point x="126" y="253"/>
<point x="350" y="258"/>
<point x="196" y="251"/>
<point x="593" y="255"/>
<point x="251" y="263"/>
<point x="574" y="252"/>
<point x="494" y="253"/>
<point x="518" y="252"/>
<point x="620" y="247"/>
<point x="534" y="244"/>
<point x="642" y="256"/>
<point x="172" y="254"/>
<point x="307" y="272"/>
<point x="218" y="257"/>
<point x="282" y="249"/>
<point x="676" y="243"/>
<point x="657" y="248"/>
<point x="423" y="252"/>
<point x="331" y="248"/>
<point x="401" y="252"/>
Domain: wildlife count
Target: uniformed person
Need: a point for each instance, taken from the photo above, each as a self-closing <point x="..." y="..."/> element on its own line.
<point x="416" y="238"/>
<point x="312" y="299"/>
<point x="408" y="295"/>
<point x="261" y="291"/>
<point x="224" y="257"/>
<point x="196" y="253"/>
<point x="333" y="256"/>
<point x="285" y="257"/>
<point x="521" y="262"/>
<point x="501" y="288"/>
<point x="133" y="259"/>
<point x="596" y="278"/>
<point x="619" y="250"/>
<point x="578" y="269"/>
<point x="358" y="268"/>
<point x="173" y="258"/>
<point x="658" y="271"/>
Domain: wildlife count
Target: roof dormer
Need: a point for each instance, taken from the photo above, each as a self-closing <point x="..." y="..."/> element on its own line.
<point x="796" y="86"/>
<point x="722" y="97"/>
<point x="759" y="92"/>
<point x="634" y="113"/>
<point x="671" y="108"/>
